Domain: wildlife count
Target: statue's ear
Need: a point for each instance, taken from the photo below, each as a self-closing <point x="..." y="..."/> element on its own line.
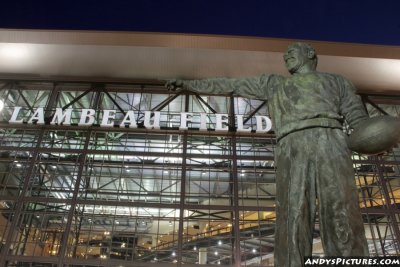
<point x="311" y="54"/>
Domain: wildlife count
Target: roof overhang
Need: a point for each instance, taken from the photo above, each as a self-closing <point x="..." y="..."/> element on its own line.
<point x="125" y="56"/>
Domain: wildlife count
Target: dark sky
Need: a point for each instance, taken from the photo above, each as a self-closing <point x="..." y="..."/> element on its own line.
<point x="356" y="21"/>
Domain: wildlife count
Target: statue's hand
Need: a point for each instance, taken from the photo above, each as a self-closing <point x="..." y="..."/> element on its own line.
<point x="173" y="85"/>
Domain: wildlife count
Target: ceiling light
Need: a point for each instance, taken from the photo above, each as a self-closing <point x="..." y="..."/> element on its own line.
<point x="14" y="51"/>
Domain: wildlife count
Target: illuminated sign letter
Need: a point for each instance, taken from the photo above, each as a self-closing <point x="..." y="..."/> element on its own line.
<point x="185" y="118"/>
<point x="15" y="115"/>
<point x="240" y="126"/>
<point x="108" y="115"/>
<point x="220" y="119"/>
<point x="129" y="118"/>
<point x="87" y="117"/>
<point x="203" y="122"/>
<point x="38" y="117"/>
<point x="261" y="121"/>
<point x="156" y="120"/>
<point x="61" y="117"/>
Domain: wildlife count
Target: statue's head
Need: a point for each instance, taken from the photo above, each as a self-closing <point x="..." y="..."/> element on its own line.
<point x="300" y="58"/>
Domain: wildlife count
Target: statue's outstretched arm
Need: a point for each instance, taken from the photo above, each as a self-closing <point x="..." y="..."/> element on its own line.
<point x="253" y="87"/>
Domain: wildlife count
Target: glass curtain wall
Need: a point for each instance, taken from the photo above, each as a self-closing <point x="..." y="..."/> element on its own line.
<point x="104" y="195"/>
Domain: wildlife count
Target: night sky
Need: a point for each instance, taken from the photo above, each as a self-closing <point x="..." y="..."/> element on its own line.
<point x="355" y="21"/>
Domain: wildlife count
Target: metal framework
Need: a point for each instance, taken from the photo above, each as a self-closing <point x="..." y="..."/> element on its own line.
<point x="96" y="196"/>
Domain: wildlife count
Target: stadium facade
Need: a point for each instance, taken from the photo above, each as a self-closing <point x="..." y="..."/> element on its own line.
<point x="131" y="174"/>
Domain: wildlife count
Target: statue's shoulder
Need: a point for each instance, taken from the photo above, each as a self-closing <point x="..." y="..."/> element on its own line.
<point x="332" y="76"/>
<point x="273" y="77"/>
<point x="337" y="79"/>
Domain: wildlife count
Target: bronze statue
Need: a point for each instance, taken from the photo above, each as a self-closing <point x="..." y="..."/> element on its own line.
<point x="314" y="166"/>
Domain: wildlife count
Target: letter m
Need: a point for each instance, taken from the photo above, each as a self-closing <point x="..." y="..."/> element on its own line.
<point x="61" y="117"/>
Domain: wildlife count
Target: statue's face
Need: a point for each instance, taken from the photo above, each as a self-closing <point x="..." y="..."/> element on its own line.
<point x="295" y="58"/>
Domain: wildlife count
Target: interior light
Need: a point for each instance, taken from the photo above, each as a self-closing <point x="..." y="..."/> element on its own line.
<point x="15" y="51"/>
<point x="1" y="104"/>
